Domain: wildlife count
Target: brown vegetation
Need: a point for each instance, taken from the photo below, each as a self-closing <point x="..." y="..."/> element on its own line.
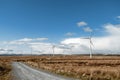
<point x="5" y="66"/>
<point x="5" y="69"/>
<point x="81" y="67"/>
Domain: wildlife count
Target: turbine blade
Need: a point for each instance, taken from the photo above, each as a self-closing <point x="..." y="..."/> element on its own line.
<point x="85" y="38"/>
<point x="91" y="34"/>
<point x="91" y="43"/>
<point x="53" y="46"/>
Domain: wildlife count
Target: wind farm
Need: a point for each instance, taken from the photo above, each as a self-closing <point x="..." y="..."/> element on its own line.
<point x="59" y="40"/>
<point x="61" y="59"/>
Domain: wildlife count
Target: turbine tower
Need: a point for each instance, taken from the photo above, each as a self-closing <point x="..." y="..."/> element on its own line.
<point x="31" y="50"/>
<point x="53" y="49"/>
<point x="72" y="45"/>
<point x="71" y="49"/>
<point x="90" y="45"/>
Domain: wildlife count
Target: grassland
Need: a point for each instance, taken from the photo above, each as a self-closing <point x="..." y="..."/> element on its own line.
<point x="81" y="67"/>
<point x="5" y="69"/>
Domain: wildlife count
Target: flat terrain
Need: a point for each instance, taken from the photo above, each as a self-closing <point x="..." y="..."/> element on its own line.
<point x="81" y="67"/>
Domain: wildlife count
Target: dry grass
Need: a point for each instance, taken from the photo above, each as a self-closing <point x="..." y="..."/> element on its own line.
<point x="5" y="66"/>
<point x="5" y="69"/>
<point x="81" y="67"/>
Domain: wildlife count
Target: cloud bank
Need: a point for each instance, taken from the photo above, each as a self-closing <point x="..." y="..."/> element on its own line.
<point x="107" y="44"/>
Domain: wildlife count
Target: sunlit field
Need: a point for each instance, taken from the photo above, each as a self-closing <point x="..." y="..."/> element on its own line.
<point x="81" y="67"/>
<point x="5" y="68"/>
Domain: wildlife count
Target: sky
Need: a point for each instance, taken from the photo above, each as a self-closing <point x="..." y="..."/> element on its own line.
<point x="40" y="24"/>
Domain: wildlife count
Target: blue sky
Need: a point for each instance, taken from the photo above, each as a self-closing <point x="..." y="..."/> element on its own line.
<point x="53" y="18"/>
<point x="59" y="21"/>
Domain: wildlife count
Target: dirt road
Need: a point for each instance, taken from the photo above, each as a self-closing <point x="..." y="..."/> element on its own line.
<point x="24" y="72"/>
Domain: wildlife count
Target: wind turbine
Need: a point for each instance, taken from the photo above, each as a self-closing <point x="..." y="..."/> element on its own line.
<point x="31" y="50"/>
<point x="9" y="50"/>
<point x="72" y="45"/>
<point x="71" y="49"/>
<point x="53" y="49"/>
<point x="90" y="45"/>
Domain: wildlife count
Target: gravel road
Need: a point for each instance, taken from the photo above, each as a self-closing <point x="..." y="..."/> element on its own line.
<point x="23" y="72"/>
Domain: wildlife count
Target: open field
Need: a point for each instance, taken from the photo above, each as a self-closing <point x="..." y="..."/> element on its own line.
<point x="82" y="67"/>
<point x="5" y="69"/>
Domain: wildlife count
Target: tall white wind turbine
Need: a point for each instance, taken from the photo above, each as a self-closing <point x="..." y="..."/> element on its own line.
<point x="90" y="45"/>
<point x="53" y="49"/>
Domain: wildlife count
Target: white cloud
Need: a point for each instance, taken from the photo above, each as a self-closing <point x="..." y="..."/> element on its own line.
<point x="77" y="44"/>
<point x="112" y="29"/>
<point x="46" y="48"/>
<point x="118" y="17"/>
<point x="38" y="46"/>
<point x="70" y="34"/>
<point x="82" y="23"/>
<point x="20" y="41"/>
<point x="106" y="44"/>
<point x="23" y="45"/>
<point x="41" y="39"/>
<point x="87" y="29"/>
<point x="26" y="40"/>
<point x="109" y="43"/>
